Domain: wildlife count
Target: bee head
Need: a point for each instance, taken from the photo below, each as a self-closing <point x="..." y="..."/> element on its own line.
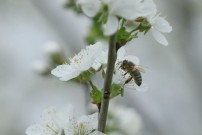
<point x="124" y="64"/>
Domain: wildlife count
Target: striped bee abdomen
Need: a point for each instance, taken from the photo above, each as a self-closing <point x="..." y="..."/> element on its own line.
<point x="137" y="77"/>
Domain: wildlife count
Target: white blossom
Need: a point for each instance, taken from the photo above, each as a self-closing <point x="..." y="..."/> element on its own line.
<point x="83" y="126"/>
<point x="79" y="63"/>
<point x="89" y="7"/>
<point x="125" y="119"/>
<point x="100" y="60"/>
<point x="54" y="122"/>
<point x="120" y="76"/>
<point x="63" y="122"/>
<point x="127" y="9"/>
<point x="54" y="52"/>
<point x="41" y="67"/>
<point x="158" y="24"/>
<point x="51" y="48"/>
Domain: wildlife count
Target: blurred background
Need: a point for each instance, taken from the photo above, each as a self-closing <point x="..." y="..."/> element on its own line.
<point x="172" y="105"/>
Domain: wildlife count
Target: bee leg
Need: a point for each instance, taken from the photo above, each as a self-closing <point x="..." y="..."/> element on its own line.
<point x="128" y="80"/>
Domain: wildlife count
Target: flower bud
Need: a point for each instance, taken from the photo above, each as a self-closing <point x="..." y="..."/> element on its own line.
<point x="54" y="52"/>
<point x="41" y="67"/>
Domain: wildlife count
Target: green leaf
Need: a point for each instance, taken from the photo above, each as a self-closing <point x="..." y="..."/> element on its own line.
<point x="123" y="36"/>
<point x="96" y="95"/>
<point x="116" y="89"/>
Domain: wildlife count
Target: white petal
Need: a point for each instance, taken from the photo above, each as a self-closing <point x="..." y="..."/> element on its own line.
<point x="70" y="76"/>
<point x="89" y="121"/>
<point x="39" y="130"/>
<point x="100" y="60"/>
<point x="65" y="72"/>
<point x="121" y="53"/>
<point x="96" y="65"/>
<point x="159" y="37"/>
<point x="69" y="129"/>
<point x="61" y="70"/>
<point x="34" y="130"/>
<point x="111" y="26"/>
<point x="148" y="9"/>
<point x="103" y="57"/>
<point x="64" y="114"/>
<point x="90" y="7"/>
<point x="48" y="114"/>
<point x="41" y="67"/>
<point x="124" y="8"/>
<point x="52" y="47"/>
<point x="86" y="57"/>
<point x="131" y="123"/>
<point x="49" y="117"/>
<point x="131" y="9"/>
<point x="162" y="25"/>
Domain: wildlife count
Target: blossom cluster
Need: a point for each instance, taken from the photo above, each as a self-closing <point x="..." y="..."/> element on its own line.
<point x="89" y="57"/>
<point x="121" y="119"/>
<point x="111" y="17"/>
<point x="124" y="119"/>
<point x="142" y="12"/>
<point x="63" y="122"/>
<point x="94" y="57"/>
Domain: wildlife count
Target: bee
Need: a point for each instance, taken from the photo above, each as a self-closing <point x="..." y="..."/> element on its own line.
<point x="133" y="70"/>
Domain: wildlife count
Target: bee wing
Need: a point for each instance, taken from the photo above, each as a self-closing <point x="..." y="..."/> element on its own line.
<point x="141" y="69"/>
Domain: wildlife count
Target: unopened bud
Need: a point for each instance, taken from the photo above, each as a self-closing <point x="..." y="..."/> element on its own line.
<point x="54" y="52"/>
<point x="41" y="67"/>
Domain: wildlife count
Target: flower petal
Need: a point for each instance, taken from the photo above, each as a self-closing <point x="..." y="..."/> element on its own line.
<point x="148" y="9"/>
<point x="131" y="123"/>
<point x="48" y="114"/>
<point x="131" y="9"/>
<point x="64" y="114"/>
<point x="96" y="65"/>
<point x="162" y="25"/>
<point x="65" y="72"/>
<point x="86" y="57"/>
<point x="159" y="37"/>
<point x="124" y="8"/>
<point x="111" y="26"/>
<point x="89" y="121"/>
<point x="121" y="53"/>
<point x="90" y="7"/>
<point x="38" y="130"/>
<point x="100" y="60"/>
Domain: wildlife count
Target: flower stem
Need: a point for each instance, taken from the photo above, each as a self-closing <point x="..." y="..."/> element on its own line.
<point x="107" y="84"/>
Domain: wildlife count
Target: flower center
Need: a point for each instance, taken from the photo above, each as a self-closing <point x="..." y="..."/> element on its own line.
<point x="52" y="128"/>
<point x="79" y="129"/>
